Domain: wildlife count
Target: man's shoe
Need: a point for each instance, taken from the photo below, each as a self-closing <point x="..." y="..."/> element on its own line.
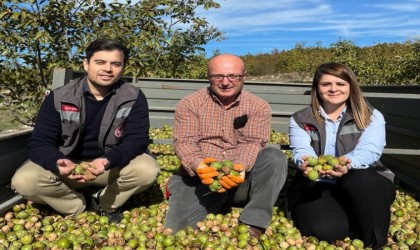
<point x="255" y="231"/>
<point x="94" y="204"/>
<point x="114" y="217"/>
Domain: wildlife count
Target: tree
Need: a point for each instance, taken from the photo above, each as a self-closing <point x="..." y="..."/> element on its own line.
<point x="166" y="38"/>
<point x="411" y="64"/>
<point x="381" y="64"/>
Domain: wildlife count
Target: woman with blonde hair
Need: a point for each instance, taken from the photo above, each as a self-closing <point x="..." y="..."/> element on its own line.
<point x="351" y="198"/>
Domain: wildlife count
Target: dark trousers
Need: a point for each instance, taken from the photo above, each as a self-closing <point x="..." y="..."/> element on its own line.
<point x="360" y="202"/>
<point x="190" y="201"/>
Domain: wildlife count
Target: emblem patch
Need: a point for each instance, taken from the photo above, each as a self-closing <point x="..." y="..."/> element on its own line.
<point x="119" y="131"/>
<point x="308" y="127"/>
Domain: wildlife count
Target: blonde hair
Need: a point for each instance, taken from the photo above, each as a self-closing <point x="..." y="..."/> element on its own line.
<point x="357" y="105"/>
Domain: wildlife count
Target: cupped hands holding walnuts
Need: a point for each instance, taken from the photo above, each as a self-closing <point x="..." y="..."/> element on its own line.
<point x="324" y="165"/>
<point x="220" y="176"/>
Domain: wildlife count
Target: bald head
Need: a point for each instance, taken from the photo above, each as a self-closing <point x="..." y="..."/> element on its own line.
<point x="224" y="60"/>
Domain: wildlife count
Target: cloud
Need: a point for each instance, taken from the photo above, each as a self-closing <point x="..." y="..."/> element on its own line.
<point x="259" y="26"/>
<point x="237" y="17"/>
<point x="410" y="6"/>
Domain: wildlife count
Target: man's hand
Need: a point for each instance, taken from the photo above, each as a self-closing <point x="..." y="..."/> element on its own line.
<point x="232" y="181"/>
<point x="97" y="166"/>
<point x="204" y="172"/>
<point x="224" y="181"/>
<point x="65" y="168"/>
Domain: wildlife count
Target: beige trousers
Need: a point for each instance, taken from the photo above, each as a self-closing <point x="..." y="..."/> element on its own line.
<point x="42" y="186"/>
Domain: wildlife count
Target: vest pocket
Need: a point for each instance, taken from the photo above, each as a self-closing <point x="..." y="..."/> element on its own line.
<point x="69" y="133"/>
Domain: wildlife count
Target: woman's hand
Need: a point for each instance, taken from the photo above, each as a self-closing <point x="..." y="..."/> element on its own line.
<point x="339" y="169"/>
<point x="304" y="166"/>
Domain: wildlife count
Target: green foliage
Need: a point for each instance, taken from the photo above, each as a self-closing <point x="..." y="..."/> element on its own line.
<point x="24" y="93"/>
<point x="410" y="64"/>
<point x="381" y="64"/>
<point x="261" y="64"/>
<point x="303" y="60"/>
<point x="166" y="39"/>
<point x="7" y="121"/>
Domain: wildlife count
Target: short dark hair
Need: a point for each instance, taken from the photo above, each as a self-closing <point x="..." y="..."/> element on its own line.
<point x="107" y="44"/>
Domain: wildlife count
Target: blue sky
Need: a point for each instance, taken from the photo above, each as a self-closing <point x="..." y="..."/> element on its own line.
<point x="254" y="27"/>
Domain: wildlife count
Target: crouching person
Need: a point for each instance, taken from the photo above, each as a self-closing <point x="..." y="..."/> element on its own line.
<point x="98" y="123"/>
<point x="226" y="124"/>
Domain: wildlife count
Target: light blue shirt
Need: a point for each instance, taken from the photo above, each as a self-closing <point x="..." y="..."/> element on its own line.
<point x="368" y="150"/>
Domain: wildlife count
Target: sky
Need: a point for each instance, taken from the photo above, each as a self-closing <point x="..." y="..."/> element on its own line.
<point x="260" y="26"/>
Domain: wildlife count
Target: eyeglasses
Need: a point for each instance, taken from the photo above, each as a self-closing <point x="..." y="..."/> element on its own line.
<point x="231" y="78"/>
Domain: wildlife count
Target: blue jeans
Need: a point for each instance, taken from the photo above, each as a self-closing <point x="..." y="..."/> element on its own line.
<point x="190" y="201"/>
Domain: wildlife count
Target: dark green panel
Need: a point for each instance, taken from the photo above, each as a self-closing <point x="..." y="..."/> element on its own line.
<point x="403" y="105"/>
<point x="404" y="169"/>
<point x="397" y="137"/>
<point x="272" y="97"/>
<point x="13" y="150"/>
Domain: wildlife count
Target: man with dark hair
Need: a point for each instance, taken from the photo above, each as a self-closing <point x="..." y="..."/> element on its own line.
<point x="100" y="121"/>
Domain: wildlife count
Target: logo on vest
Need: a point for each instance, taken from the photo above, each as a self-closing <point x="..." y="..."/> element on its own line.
<point x="309" y="127"/>
<point x="69" y="108"/>
<point x="119" y="131"/>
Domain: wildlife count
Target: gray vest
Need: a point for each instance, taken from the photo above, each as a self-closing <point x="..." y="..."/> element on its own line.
<point x="348" y="135"/>
<point x="69" y="102"/>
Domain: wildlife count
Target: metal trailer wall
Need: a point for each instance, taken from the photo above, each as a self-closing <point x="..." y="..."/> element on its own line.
<point x="399" y="105"/>
<point x="402" y="116"/>
<point x="163" y="95"/>
<point x="13" y="154"/>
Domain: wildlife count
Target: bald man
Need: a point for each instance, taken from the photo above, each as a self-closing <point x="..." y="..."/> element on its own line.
<point x="225" y="122"/>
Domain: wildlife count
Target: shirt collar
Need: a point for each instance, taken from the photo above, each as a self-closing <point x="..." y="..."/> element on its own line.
<point x="322" y="113"/>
